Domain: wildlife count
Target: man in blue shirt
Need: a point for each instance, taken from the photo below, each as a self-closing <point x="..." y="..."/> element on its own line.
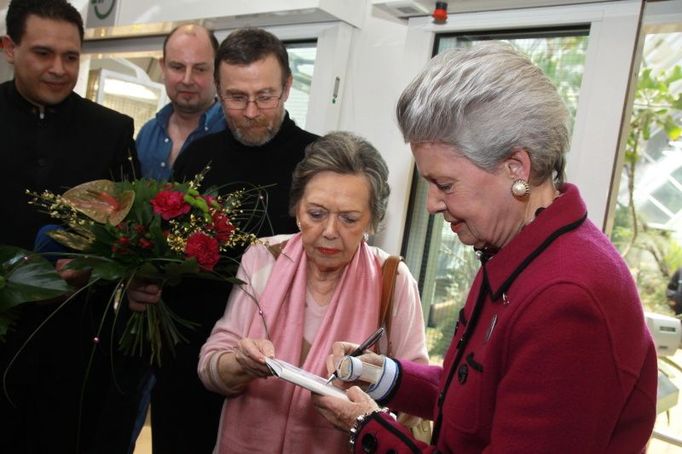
<point x="187" y="68"/>
<point x="193" y="112"/>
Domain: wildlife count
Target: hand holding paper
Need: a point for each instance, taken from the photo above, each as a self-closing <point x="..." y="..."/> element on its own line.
<point x="303" y="378"/>
<point x="251" y="354"/>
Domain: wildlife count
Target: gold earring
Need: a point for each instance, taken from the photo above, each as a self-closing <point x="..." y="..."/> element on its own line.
<point x="520" y="188"/>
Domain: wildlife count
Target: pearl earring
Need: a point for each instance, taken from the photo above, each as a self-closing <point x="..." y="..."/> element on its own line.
<point x="298" y="224"/>
<point x="365" y="236"/>
<point x="520" y="188"/>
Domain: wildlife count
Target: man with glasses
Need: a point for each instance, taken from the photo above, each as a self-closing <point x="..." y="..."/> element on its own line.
<point x="260" y="146"/>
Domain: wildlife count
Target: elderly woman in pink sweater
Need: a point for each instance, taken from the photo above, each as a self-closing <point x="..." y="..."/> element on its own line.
<point x="302" y="293"/>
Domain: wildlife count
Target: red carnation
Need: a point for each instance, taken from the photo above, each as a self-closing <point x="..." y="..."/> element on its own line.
<point x="204" y="248"/>
<point x="170" y="204"/>
<point x="222" y="226"/>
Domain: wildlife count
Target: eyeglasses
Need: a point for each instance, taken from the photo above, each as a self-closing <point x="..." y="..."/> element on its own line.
<point x="241" y="102"/>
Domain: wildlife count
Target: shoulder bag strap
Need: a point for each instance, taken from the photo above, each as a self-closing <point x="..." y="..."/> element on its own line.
<point x="276" y="249"/>
<point x="389" y="271"/>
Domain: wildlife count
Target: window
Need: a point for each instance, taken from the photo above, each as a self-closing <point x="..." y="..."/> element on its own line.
<point x="444" y="267"/>
<point x="647" y="226"/>
<point x="302" y="63"/>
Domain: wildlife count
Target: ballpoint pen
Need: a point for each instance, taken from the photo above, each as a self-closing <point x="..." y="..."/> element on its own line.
<point x="371" y="340"/>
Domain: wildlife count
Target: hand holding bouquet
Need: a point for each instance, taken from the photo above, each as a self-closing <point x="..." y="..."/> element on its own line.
<point x="150" y="230"/>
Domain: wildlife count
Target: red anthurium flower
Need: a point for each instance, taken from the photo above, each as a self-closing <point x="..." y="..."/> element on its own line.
<point x="170" y="204"/>
<point x="204" y="248"/>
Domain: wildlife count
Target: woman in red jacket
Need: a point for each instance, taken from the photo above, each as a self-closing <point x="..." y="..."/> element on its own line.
<point x="551" y="352"/>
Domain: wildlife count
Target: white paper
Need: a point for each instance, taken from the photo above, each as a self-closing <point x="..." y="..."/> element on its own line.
<point x="303" y="378"/>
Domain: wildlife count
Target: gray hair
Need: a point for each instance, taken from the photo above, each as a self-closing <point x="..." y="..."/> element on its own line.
<point x="485" y="101"/>
<point x="347" y="154"/>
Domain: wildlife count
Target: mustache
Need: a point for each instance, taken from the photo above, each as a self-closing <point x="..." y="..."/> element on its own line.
<point x="260" y="121"/>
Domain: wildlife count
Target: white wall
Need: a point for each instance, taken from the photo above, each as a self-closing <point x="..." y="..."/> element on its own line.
<point x="374" y="80"/>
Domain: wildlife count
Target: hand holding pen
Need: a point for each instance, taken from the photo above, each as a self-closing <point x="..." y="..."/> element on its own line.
<point x="369" y="342"/>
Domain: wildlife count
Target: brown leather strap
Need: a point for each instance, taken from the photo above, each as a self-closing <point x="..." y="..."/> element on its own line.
<point x="276" y="249"/>
<point x="390" y="272"/>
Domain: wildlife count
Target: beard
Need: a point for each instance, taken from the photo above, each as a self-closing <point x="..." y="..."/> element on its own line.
<point x="255" y="132"/>
<point x="191" y="106"/>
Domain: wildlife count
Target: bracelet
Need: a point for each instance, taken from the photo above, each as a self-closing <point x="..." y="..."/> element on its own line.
<point x="360" y="421"/>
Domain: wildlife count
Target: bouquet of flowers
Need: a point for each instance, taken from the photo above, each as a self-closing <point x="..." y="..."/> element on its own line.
<point x="150" y="230"/>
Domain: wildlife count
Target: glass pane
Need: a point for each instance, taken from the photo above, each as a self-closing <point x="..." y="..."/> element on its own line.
<point x="139" y="99"/>
<point x="677" y="174"/>
<point x="669" y="196"/>
<point x="442" y="265"/>
<point x="302" y="63"/>
<point x="652" y="213"/>
<point x="648" y="217"/>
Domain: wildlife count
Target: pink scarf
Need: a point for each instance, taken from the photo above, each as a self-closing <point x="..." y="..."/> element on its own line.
<point x="274" y="416"/>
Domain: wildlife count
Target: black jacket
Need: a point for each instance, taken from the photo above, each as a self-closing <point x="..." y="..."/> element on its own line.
<point x="67" y="144"/>
<point x="73" y="142"/>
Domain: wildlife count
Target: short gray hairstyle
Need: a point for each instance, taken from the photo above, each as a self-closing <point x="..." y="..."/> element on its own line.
<point x="347" y="154"/>
<point x="485" y="101"/>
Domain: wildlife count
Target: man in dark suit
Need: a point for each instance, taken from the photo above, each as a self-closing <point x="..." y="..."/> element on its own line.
<point x="52" y="139"/>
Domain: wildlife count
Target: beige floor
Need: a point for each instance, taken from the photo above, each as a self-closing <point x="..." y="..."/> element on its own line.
<point x="668" y="424"/>
<point x="144" y="441"/>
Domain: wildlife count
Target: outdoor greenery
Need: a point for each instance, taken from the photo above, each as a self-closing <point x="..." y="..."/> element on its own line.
<point x="652" y="254"/>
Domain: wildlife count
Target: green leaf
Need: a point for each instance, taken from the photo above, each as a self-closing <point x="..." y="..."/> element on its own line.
<point x="101" y="268"/>
<point x="7" y="318"/>
<point x="672" y="129"/>
<point x="674" y="76"/>
<point x="109" y="271"/>
<point x="27" y="277"/>
<point x="189" y="266"/>
<point x="677" y="102"/>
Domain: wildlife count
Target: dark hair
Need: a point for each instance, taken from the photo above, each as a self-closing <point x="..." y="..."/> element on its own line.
<point x="247" y="45"/>
<point x="346" y="154"/>
<point x="59" y="10"/>
<point x="211" y="37"/>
